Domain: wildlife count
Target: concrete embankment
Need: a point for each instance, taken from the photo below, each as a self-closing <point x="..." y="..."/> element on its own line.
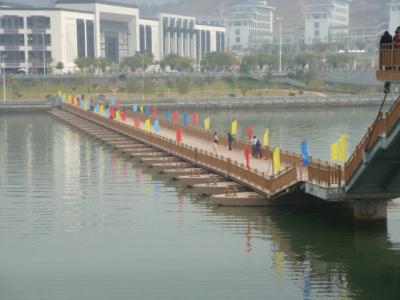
<point x="25" y="106"/>
<point x="276" y="102"/>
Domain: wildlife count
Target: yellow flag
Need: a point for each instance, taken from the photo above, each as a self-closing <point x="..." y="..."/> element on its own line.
<point x="342" y="147"/>
<point x="59" y="94"/>
<point x="101" y="109"/>
<point x="118" y="116"/>
<point x="147" y="125"/>
<point x="277" y="160"/>
<point x="266" y="137"/>
<point x="234" y="126"/>
<point x="207" y="123"/>
<point x="142" y="109"/>
<point x="334" y="152"/>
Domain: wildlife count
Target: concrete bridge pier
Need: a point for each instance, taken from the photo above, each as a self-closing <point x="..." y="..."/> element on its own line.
<point x="370" y="212"/>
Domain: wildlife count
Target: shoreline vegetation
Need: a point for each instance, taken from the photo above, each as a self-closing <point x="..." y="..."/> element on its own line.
<point x="159" y="89"/>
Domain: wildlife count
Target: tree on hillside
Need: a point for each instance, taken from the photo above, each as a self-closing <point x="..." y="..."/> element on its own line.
<point x="177" y="62"/>
<point x="218" y="61"/>
<point x="231" y="82"/>
<point x="338" y="60"/>
<point x="249" y="63"/>
<point x="183" y="84"/>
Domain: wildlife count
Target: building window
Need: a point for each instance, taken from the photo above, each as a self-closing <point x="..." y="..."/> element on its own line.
<point x="142" y="39"/>
<point x="316" y="25"/>
<point x="81" y="40"/>
<point x="90" y="39"/>
<point x="208" y="41"/>
<point x="238" y="40"/>
<point x="316" y="33"/>
<point x="12" y="40"/>
<point x="149" y="41"/>
<point x="11" y="22"/>
<point x="237" y="32"/>
<point x="37" y="56"/>
<point x="38" y="22"/>
<point x="13" y="56"/>
<point x="37" y="39"/>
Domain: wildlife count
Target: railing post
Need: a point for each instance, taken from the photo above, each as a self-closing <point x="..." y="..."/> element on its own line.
<point x="329" y="176"/>
<point x="340" y="176"/>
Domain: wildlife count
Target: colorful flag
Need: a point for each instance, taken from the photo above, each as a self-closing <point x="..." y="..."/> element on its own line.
<point x="156" y="126"/>
<point x="107" y="115"/>
<point x="134" y="107"/>
<point x="97" y="109"/>
<point x="102" y="109"/>
<point x="234" y="127"/>
<point x="112" y="113"/>
<point x="342" y="148"/>
<point x="147" y="111"/>
<point x="142" y="109"/>
<point x="207" y="123"/>
<point x="137" y="122"/>
<point x="334" y="152"/>
<point x="304" y="153"/>
<point x="123" y="115"/>
<point x="112" y="100"/>
<point x="266" y="137"/>
<point x="195" y="119"/>
<point x="153" y="112"/>
<point x="147" y="125"/>
<point x="118" y="115"/>
<point x="277" y="160"/>
<point x="179" y="135"/>
<point x="175" y="116"/>
<point x="185" y="119"/>
<point x="168" y="116"/>
<point x="247" y="157"/>
<point x="249" y="131"/>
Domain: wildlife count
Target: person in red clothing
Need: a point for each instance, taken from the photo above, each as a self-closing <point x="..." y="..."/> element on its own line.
<point x="396" y="38"/>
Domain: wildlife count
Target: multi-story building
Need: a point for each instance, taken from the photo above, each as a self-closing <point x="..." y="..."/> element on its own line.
<point x="250" y="24"/>
<point x="326" y="20"/>
<point x="34" y="39"/>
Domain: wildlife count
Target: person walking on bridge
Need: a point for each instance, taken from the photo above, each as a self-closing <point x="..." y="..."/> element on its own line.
<point x="216" y="142"/>
<point x="230" y="141"/>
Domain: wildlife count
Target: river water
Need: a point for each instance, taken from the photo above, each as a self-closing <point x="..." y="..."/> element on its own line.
<point x="79" y="221"/>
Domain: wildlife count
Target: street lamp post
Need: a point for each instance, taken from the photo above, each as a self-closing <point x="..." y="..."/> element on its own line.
<point x="279" y="19"/>
<point x="3" y="61"/>
<point x="44" y="55"/>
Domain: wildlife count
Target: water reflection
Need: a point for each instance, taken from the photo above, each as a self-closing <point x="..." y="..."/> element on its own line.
<point x="79" y="219"/>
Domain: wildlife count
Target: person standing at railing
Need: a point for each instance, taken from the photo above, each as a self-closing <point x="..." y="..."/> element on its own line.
<point x="396" y="39"/>
<point x="230" y="141"/>
<point x="386" y="39"/>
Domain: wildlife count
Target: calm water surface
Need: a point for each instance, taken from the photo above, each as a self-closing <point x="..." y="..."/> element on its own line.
<point x="78" y="221"/>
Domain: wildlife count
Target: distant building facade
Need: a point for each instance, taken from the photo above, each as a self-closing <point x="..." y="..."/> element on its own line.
<point x="34" y="39"/>
<point x="326" y="20"/>
<point x="394" y="16"/>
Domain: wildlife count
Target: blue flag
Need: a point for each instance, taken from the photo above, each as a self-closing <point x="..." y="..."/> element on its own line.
<point x="135" y="108"/>
<point x="156" y="126"/>
<point x="185" y="119"/>
<point x="304" y="153"/>
<point x="97" y="109"/>
<point x="147" y="110"/>
<point x="108" y="113"/>
<point x="168" y="115"/>
<point x="112" y="100"/>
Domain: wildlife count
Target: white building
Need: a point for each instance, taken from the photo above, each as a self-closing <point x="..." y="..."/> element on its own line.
<point x="326" y="20"/>
<point x="33" y="39"/>
<point x="250" y="25"/>
<point x="394" y="16"/>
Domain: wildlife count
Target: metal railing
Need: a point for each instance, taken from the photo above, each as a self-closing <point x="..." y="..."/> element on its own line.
<point x="389" y="57"/>
<point x="382" y="126"/>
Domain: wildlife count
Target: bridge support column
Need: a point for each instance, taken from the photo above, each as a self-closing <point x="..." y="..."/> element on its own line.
<point x="370" y="211"/>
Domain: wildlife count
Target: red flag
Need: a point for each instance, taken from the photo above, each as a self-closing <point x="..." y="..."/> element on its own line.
<point x="249" y="131"/>
<point x="247" y="157"/>
<point x="153" y="112"/>
<point x="137" y="122"/>
<point x="195" y="119"/>
<point x="123" y="115"/>
<point x="175" y="116"/>
<point x="112" y="113"/>
<point x="179" y="135"/>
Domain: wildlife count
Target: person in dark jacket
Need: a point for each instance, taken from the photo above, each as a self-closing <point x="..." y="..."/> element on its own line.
<point x="386" y="38"/>
<point x="230" y="141"/>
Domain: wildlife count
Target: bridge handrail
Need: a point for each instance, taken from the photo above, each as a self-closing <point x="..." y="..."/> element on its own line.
<point x="383" y="125"/>
<point x="259" y="180"/>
